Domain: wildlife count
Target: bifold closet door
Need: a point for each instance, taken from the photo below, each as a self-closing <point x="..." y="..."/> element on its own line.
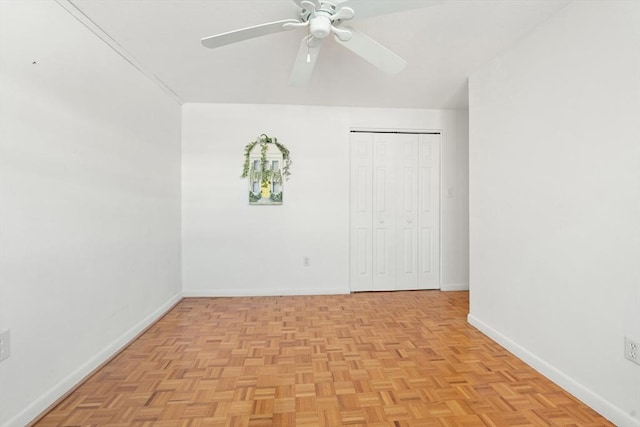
<point x="394" y="231"/>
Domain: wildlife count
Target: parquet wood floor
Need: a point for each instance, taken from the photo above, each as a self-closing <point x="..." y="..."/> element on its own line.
<point x="374" y="359"/>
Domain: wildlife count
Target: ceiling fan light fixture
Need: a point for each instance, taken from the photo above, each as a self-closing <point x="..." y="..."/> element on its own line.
<point x="320" y="26"/>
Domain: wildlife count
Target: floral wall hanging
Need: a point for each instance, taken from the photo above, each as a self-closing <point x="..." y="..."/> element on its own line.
<point x="267" y="168"/>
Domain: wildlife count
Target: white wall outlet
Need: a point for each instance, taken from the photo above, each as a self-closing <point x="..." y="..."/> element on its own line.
<point x="632" y="350"/>
<point x="4" y="345"/>
<point x="306" y="261"/>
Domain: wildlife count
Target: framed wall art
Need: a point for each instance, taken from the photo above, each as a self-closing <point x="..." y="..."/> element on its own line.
<point x="266" y="165"/>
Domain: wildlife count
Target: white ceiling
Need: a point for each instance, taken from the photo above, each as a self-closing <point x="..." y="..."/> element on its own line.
<point x="442" y="44"/>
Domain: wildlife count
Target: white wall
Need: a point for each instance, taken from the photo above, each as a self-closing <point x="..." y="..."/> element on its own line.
<point x="89" y="208"/>
<point x="231" y="248"/>
<point x="554" y="202"/>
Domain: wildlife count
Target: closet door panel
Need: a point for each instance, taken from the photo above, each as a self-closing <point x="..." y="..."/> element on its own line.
<point x="429" y="212"/>
<point x="361" y="231"/>
<point x="384" y="202"/>
<point x="407" y="212"/>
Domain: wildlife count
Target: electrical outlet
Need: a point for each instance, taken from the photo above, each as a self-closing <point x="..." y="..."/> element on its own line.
<point x="632" y="350"/>
<point x="4" y="345"/>
<point x="306" y="261"/>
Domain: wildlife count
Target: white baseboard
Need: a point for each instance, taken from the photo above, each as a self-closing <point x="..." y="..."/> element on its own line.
<point x="449" y="287"/>
<point x="210" y="293"/>
<point x="593" y="400"/>
<point x="42" y="403"/>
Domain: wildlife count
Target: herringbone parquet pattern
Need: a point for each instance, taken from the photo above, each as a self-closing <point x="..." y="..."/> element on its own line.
<point x="375" y="359"/>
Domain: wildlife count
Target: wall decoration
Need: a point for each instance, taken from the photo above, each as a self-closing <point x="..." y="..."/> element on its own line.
<point x="267" y="169"/>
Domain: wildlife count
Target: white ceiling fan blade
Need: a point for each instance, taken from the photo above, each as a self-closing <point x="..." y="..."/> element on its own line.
<point x="367" y="8"/>
<point x="313" y="41"/>
<point x="305" y="62"/>
<point x="373" y="52"/>
<point x="235" y="36"/>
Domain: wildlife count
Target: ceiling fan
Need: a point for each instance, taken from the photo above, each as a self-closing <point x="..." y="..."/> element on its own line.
<point x="323" y="18"/>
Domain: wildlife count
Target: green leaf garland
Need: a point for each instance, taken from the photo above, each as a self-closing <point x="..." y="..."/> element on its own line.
<point x="265" y="175"/>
